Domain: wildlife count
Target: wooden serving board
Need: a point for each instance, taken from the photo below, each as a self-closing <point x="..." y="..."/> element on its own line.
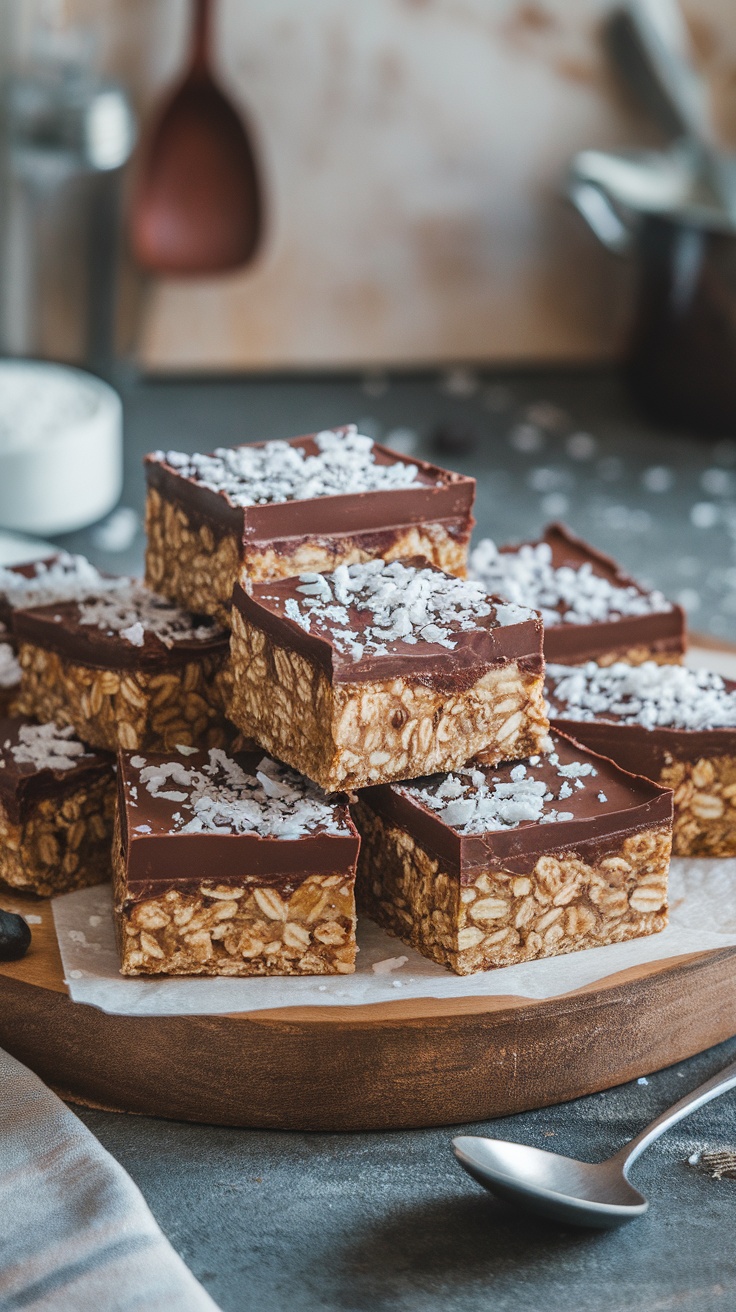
<point x="413" y="1062"/>
<point x="406" y="1063"/>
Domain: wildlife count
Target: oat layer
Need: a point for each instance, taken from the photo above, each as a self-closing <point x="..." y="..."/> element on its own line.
<point x="63" y="844"/>
<point x="705" y="805"/>
<point x="251" y="930"/>
<point x="500" y="918"/>
<point x="132" y="709"/>
<point x="351" y="735"/>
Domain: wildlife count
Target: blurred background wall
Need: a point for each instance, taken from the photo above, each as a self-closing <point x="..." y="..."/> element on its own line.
<point x="413" y="153"/>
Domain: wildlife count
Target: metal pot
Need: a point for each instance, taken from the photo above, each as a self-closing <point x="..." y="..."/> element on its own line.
<point x="680" y="354"/>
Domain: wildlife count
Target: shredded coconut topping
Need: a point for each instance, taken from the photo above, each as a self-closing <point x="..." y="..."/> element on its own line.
<point x="134" y="611"/>
<point x="402" y="603"/>
<point x="222" y="798"/>
<point x="9" y="668"/>
<point x="564" y="595"/>
<point x="277" y="471"/>
<point x="65" y="578"/>
<point x="46" y="747"/>
<point x="651" y="695"/>
<point x="471" y="802"/>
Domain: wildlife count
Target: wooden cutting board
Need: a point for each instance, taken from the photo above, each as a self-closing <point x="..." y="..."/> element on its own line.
<point x="413" y="1062"/>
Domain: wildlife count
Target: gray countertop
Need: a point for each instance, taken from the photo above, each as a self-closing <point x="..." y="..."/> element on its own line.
<point x="385" y="1222"/>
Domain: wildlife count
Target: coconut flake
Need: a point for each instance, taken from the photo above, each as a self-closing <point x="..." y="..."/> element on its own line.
<point x="403" y="603"/>
<point x="10" y="670"/>
<point x="222" y="797"/>
<point x="46" y="747"/>
<point x="277" y="471"/>
<point x="473" y="802"/>
<point x="64" y="578"/>
<point x="564" y="595"/>
<point x="134" y="611"/>
<point x="653" y="696"/>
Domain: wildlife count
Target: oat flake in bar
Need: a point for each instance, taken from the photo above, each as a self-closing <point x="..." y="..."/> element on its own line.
<point x="674" y="725"/>
<point x="126" y="669"/>
<point x="384" y="670"/>
<point x="591" y="609"/>
<point x="57" y="801"/>
<point x="489" y="867"/>
<point x="275" y="509"/>
<point x="231" y="865"/>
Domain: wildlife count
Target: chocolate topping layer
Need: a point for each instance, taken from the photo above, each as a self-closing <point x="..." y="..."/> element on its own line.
<point x="631" y="803"/>
<point x="59" y="628"/>
<point x="164" y="859"/>
<point x="23" y="784"/>
<point x="660" y="631"/>
<point x="436" y="495"/>
<point x="488" y="643"/>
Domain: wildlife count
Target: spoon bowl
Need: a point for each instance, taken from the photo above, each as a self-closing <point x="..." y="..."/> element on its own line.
<point x="197" y="209"/>
<point x="598" y="1196"/>
<point x="556" y="1187"/>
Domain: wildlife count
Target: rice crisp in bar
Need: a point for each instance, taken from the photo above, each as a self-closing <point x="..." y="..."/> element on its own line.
<point x="674" y="725"/>
<point x="384" y="670"/>
<point x="591" y="609"/>
<point x="491" y="866"/>
<point x="231" y="865"/>
<point x="275" y="509"/>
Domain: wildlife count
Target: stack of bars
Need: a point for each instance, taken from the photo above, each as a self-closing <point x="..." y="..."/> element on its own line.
<point x="314" y="707"/>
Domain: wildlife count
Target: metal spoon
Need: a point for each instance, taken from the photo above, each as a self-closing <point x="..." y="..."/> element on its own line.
<point x="579" y="1193"/>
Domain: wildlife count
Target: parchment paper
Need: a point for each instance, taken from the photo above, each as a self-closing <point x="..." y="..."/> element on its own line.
<point x="702" y="915"/>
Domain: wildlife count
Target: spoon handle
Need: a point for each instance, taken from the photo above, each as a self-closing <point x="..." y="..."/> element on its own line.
<point x="713" y="1088"/>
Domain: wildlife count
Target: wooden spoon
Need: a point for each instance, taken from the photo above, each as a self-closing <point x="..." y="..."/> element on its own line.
<point x="196" y="208"/>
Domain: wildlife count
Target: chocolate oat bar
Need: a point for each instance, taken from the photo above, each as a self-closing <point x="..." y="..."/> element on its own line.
<point x="384" y="671"/>
<point x="275" y="509"/>
<point x="489" y="867"/>
<point x="57" y="800"/>
<point x="591" y="609"/>
<point x="126" y="669"/>
<point x="674" y="725"/>
<point x="38" y="582"/>
<point x="231" y="865"/>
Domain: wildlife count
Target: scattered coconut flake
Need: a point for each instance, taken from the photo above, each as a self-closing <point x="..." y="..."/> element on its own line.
<point x="278" y="472"/>
<point x="651" y="695"/>
<point x="222" y="798"/>
<point x="389" y="964"/>
<point x="134" y="611"/>
<point x="46" y="747"/>
<point x="564" y="595"/>
<point x="9" y="668"/>
<point x="404" y="603"/>
<point x="472" y="801"/>
<point x="63" y="578"/>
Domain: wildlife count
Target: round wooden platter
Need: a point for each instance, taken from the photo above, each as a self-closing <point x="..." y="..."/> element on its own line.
<point x="407" y="1063"/>
<point x="416" y="1062"/>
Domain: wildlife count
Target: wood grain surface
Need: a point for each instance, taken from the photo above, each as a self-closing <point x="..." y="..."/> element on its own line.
<point x="414" y="1062"/>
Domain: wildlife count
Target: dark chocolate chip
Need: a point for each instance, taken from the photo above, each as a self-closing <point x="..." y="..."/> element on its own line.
<point x="15" y="936"/>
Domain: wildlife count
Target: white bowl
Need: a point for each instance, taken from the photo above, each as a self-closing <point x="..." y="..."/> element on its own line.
<point x="61" y="447"/>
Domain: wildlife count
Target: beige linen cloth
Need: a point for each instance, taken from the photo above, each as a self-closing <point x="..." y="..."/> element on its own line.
<point x="75" y="1232"/>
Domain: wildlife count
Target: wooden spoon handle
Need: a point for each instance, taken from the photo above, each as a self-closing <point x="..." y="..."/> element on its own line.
<point x="201" y="31"/>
